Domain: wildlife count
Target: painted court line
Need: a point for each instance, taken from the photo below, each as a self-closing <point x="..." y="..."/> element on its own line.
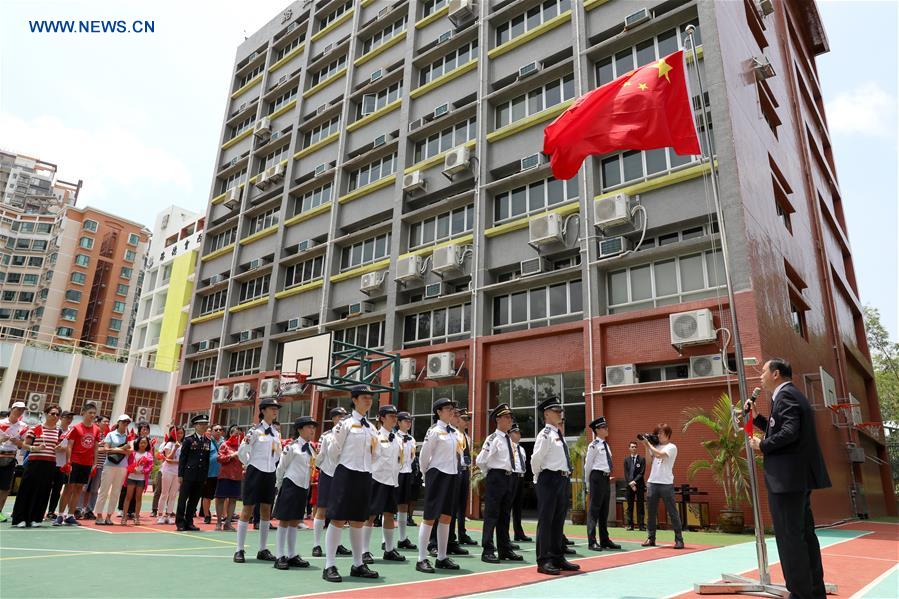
<point x="863" y="592"/>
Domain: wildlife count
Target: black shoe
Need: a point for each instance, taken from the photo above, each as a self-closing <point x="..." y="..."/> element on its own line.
<point x="432" y="551"/>
<point x="446" y="564"/>
<point x="569" y="551"/>
<point x="630" y="528"/>
<point x="181" y="529"/>
<point x="523" y="539"/>
<point x="642" y="528"/>
<point x="568" y="566"/>
<point x="317" y="551"/>
<point x="281" y="564"/>
<point x="363" y="572"/>
<point x="514" y="546"/>
<point x="410" y="521"/>
<point x="648" y="543"/>
<point x="152" y="514"/>
<point x="207" y="520"/>
<point x="467" y="540"/>
<point x="191" y="528"/>
<point x="406" y="544"/>
<point x="89" y="515"/>
<point x="594" y="546"/>
<point x="383" y="546"/>
<point x="454" y="549"/>
<point x="610" y="545"/>
<point x="265" y="555"/>
<point x="567" y="541"/>
<point x="424" y="566"/>
<point x="239" y="557"/>
<point x="394" y="556"/>
<point x="331" y="574"/>
<point x="341" y="550"/>
<point x="678" y="545"/>
<point x="511" y="556"/>
<point x="548" y="569"/>
<point x="489" y="557"/>
<point x="297" y="562"/>
<point x="367" y="558"/>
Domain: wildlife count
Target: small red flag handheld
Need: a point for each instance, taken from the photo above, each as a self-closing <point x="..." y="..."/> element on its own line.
<point x="747" y="422"/>
<point x="645" y="109"/>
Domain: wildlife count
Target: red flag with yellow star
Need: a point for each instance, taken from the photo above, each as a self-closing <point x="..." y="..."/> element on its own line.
<point x="645" y="109"/>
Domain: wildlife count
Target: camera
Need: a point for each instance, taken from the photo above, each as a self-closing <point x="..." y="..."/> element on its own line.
<point x="651" y="437"/>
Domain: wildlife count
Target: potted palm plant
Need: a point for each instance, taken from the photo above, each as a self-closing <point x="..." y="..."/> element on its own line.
<point x="577" y="453"/>
<point x="726" y="461"/>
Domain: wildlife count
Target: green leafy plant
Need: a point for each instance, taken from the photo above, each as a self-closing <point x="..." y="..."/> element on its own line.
<point x="577" y="453"/>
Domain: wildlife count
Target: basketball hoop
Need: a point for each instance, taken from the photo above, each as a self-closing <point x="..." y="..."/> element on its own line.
<point x="873" y="430"/>
<point x="299" y="377"/>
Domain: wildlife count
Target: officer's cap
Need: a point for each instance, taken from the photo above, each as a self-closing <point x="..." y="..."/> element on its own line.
<point x="550" y="403"/>
<point x="599" y="423"/>
<point x="442" y="403"/>
<point x="338" y="411"/>
<point x="387" y="409"/>
<point x="198" y="419"/>
<point x="500" y="410"/>
<point x="268" y="402"/>
<point x="304" y="421"/>
<point x="403" y="416"/>
<point x="358" y="390"/>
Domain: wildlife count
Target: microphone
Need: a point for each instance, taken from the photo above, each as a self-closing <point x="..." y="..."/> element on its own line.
<point x="755" y="395"/>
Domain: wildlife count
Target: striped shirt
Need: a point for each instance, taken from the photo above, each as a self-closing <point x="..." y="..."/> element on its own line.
<point x="46" y="440"/>
<point x="101" y="456"/>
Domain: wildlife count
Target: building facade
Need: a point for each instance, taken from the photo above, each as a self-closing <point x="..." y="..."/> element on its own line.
<point x="380" y="177"/>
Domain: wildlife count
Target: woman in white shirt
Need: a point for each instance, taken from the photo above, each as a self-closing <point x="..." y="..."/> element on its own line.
<point x="292" y="480"/>
<point x="385" y="478"/>
<point x="171" y="453"/>
<point x="114" y="469"/>
<point x="405" y="503"/>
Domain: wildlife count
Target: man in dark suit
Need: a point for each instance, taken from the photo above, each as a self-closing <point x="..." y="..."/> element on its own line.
<point x="793" y="466"/>
<point x="634" y="470"/>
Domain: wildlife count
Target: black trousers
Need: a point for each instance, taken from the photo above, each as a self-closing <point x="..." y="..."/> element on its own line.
<point x="462" y="509"/>
<point x="500" y="490"/>
<point x="188" y="498"/>
<point x="516" y="506"/>
<point x="59" y="480"/>
<point x="553" y="489"/>
<point x="632" y="497"/>
<point x="797" y="544"/>
<point x="599" y="507"/>
<point x="34" y="490"/>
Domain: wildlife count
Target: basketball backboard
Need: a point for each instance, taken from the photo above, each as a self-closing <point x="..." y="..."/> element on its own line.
<point x="310" y="356"/>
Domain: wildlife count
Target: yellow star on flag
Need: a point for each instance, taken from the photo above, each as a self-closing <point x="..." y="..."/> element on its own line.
<point x="643" y="87"/>
<point x="664" y="67"/>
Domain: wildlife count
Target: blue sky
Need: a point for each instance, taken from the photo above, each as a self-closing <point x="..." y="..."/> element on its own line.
<point x="137" y="116"/>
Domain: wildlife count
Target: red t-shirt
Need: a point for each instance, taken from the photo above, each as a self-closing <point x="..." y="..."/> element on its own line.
<point x="83" y="440"/>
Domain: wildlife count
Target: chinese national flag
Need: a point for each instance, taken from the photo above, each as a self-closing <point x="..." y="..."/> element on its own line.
<point x="645" y="109"/>
<point x="747" y="422"/>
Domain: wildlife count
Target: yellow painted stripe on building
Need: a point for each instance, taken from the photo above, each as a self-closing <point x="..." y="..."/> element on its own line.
<point x="432" y="17"/>
<point x="367" y="2"/>
<point x="445" y="78"/>
<point x="434" y="160"/>
<point x="528" y="122"/>
<point x="237" y="138"/>
<point x="247" y="305"/>
<point x="299" y="289"/>
<point x="287" y="57"/>
<point x="688" y="55"/>
<point x="287" y="107"/>
<point x="367" y="189"/>
<point x="356" y="272"/>
<point x="259" y="235"/>
<point x="207" y="317"/>
<point x="303" y="216"/>
<point x="382" y="48"/>
<point x="591" y="4"/>
<point x="219" y="252"/>
<point x="248" y="86"/>
<point x="174" y="320"/>
<point x="219" y="198"/>
<point x="533" y="33"/>
<point x="375" y="115"/>
<point x="522" y="223"/>
<point x="323" y="84"/>
<point x="430" y="249"/>
<point x="337" y="23"/>
<point x="663" y="181"/>
<point x="317" y="145"/>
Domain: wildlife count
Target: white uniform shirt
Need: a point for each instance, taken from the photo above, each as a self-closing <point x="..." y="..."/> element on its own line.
<point x="663" y="468"/>
<point x="8" y="431"/>
<point x="521" y="459"/>
<point x="441" y="449"/>
<point x="549" y="452"/>
<point x="596" y="458"/>
<point x="386" y="469"/>
<point x="296" y="463"/>
<point x="61" y="448"/>
<point x="261" y="448"/>
<point x="497" y="453"/>
<point x="408" y="443"/>
<point x="355" y="443"/>
<point x="325" y="460"/>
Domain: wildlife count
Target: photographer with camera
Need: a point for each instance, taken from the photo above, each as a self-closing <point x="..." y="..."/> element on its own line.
<point x="663" y="453"/>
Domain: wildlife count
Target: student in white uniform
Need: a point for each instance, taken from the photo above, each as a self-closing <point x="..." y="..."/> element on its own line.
<point x="326" y="466"/>
<point x="292" y="480"/>
<point x="405" y="504"/>
<point x="259" y="452"/>
<point x="385" y="476"/>
<point x="439" y="461"/>
<point x="355" y="446"/>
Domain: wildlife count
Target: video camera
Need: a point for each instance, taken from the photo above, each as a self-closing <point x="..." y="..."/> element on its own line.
<point x="651" y="437"/>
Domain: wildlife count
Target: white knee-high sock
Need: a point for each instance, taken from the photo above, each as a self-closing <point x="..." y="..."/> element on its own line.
<point x="318" y="527"/>
<point x="291" y="541"/>
<point x="263" y="533"/>
<point x="282" y="541"/>
<point x="332" y="540"/>
<point x="357" y="539"/>
<point x="366" y="538"/>
<point x="401" y="521"/>
<point x="442" y="539"/>
<point x="424" y="533"/>
<point x="388" y="539"/>
<point x="241" y="534"/>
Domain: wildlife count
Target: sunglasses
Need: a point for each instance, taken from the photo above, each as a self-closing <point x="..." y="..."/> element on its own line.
<point x="52" y="413"/>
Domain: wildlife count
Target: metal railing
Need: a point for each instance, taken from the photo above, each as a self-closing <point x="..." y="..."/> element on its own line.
<point x="66" y="345"/>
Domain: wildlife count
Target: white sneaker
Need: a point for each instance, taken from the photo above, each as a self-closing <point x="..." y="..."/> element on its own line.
<point x="303" y="526"/>
<point x="21" y="524"/>
<point x="170" y="520"/>
<point x="160" y="520"/>
<point x="36" y="524"/>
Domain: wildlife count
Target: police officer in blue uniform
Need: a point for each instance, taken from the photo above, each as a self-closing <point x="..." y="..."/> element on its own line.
<point x="193" y="467"/>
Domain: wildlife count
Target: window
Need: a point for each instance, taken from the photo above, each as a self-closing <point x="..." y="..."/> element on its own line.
<point x="320" y="132"/>
<point x="524" y="395"/>
<point x="432" y="6"/>
<point x="244" y="362"/>
<point x="768" y="105"/>
<point x="437" y="326"/>
<point x="290" y="46"/>
<point x="233" y="180"/>
<point x="242" y="126"/>
<point x="531" y="19"/>
<point x="126" y="272"/>
<point x="376" y="101"/>
<point x="274" y="157"/>
<point x="370" y="173"/>
<point x="312" y="199"/>
<point x="202" y="370"/>
<point x="441" y="227"/>
<point x="535" y="197"/>
<point x="26" y="296"/>
<point x="78" y="278"/>
<point x="86" y="242"/>
<point x="449" y="138"/>
<point x="18" y="260"/>
<point x="534" y="101"/>
<point x="130" y="255"/>
<point x="44" y="227"/>
<point x="798" y="305"/>
<point x="27" y="227"/>
<point x="666" y="282"/>
<point x="241" y="81"/>
<point x="89" y="225"/>
<point x="118" y="307"/>
<point x="30" y="279"/>
<point x="327" y="71"/>
<point x="69" y="314"/>
<point x="112" y="341"/>
<point x="647" y="51"/>
<point x="115" y="324"/>
<point x="133" y="238"/>
<point x="418" y="403"/>
<point x="304" y="272"/>
<point x="636" y="165"/>
<point x="9" y="295"/>
<point x="223" y="239"/>
<point x="452" y="60"/>
<point x="365" y="252"/>
<point x="82" y="260"/>
<point x="782" y="191"/>
<point x="14" y="277"/>
<point x="121" y="289"/>
<point x="334" y="15"/>
<point x="73" y="296"/>
<point x="537" y="307"/>
<point x="384" y="35"/>
<point x="21" y="314"/>
<point x="264" y="220"/>
<point x="369" y="335"/>
<point x="666" y="372"/>
<point x="284" y="99"/>
<point x="65" y="332"/>
<point x="212" y="302"/>
<point x="254" y="288"/>
<point x="35" y="261"/>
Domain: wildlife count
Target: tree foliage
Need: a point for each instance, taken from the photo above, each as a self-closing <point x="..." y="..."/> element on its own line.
<point x="885" y="357"/>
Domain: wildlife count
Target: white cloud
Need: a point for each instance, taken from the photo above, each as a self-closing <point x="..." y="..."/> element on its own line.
<point x="866" y="110"/>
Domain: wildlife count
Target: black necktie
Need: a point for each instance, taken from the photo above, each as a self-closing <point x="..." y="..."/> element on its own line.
<point x="511" y="455"/>
<point x="364" y="422"/>
<point x="605" y="447"/>
<point x="306" y="449"/>
<point x="565" y="447"/>
<point x="450" y="429"/>
<point x="268" y="431"/>
<point x="391" y="437"/>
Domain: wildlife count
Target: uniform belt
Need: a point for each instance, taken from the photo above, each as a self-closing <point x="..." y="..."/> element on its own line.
<point x="603" y="472"/>
<point x="559" y="472"/>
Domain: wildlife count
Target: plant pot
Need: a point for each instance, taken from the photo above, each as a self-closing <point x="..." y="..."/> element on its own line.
<point x="730" y="521"/>
<point x="578" y="516"/>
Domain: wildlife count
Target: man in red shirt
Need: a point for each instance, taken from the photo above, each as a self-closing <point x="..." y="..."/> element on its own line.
<point x="80" y="453"/>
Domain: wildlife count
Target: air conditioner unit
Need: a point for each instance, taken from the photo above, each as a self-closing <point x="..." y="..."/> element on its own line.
<point x="276" y="173"/>
<point x="202" y="345"/>
<point x="446" y="259"/>
<point x="35" y="402"/>
<point x="441" y="110"/>
<point x="254" y="264"/>
<point x="535" y="266"/>
<point x="414" y="181"/>
<point x="242" y="392"/>
<point x="409" y="269"/>
<point x="767" y="7"/>
<point x="275" y="135"/>
<point x="383" y="12"/>
<point x="244" y="336"/>
<point x="359" y="308"/>
<point x="220" y="394"/>
<point x="529" y="69"/>
<point x="293" y="324"/>
<point x="242" y="106"/>
<point x="621" y="374"/>
<point x="252" y="57"/>
<point x="321" y="168"/>
<point x="442" y="365"/>
<point x="545" y="229"/>
<point x="142" y="414"/>
<point x="415" y="124"/>
<point x="307" y="322"/>
<point x="710" y="365"/>
<point x="762" y="68"/>
<point x="445" y="36"/>
<point x="375" y="75"/>
<point x="456" y="160"/>
<point x="613" y="246"/>
<point x="282" y="79"/>
<point x="408" y="370"/>
<point x="262" y="180"/>
<point x="371" y="281"/>
<point x="692" y="328"/>
<point x="263" y="127"/>
<point x="461" y="12"/>
<point x="233" y="201"/>
<point x="269" y="387"/>
<point x="327" y="48"/>
<point x="379" y="141"/>
<point x="306" y="245"/>
<point x="612" y="211"/>
<point x="434" y="290"/>
<point x="529" y="162"/>
<point x="321" y="108"/>
<point x="233" y="161"/>
<point x="634" y="19"/>
<point x="856" y="453"/>
<point x="216" y="279"/>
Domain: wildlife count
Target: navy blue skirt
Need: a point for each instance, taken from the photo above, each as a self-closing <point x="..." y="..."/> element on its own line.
<point x="350" y="495"/>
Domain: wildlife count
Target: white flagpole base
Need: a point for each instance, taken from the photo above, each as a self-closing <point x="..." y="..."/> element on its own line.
<point x="733" y="584"/>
